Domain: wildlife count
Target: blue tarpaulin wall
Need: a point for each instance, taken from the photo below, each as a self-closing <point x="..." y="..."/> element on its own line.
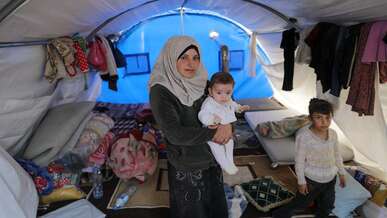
<point x="148" y="37"/>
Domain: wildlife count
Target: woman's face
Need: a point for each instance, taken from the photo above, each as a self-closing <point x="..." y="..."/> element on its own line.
<point x="188" y="63"/>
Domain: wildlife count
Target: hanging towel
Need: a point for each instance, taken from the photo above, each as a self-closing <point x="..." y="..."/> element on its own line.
<point x="80" y="54"/>
<point x="60" y="50"/>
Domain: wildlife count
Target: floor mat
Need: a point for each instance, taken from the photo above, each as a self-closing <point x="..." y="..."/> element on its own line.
<point x="154" y="192"/>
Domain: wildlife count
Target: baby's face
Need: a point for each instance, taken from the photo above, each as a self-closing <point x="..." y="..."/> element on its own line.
<point x="221" y="92"/>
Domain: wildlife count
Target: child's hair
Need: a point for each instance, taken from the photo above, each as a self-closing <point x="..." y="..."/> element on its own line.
<point x="221" y="78"/>
<point x="320" y="106"/>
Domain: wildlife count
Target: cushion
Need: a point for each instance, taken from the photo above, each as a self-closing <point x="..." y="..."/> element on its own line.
<point x="17" y="118"/>
<point x="265" y="193"/>
<point x="71" y="143"/>
<point x="92" y="134"/>
<point x="55" y="130"/>
<point x="349" y="197"/>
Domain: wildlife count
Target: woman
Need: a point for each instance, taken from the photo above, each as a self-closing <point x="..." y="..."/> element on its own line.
<point x="177" y="86"/>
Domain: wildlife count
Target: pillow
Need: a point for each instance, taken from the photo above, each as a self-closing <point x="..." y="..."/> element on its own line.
<point x="265" y="193"/>
<point x="92" y="134"/>
<point x="349" y="197"/>
<point x="55" y="130"/>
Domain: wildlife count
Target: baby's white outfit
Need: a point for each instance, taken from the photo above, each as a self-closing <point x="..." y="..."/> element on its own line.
<point x="223" y="154"/>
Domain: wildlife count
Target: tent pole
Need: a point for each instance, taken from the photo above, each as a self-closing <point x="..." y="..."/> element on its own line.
<point x="98" y="28"/>
<point x="10" y="7"/>
<point x="18" y="44"/>
<point x="279" y="14"/>
<point x="184" y="2"/>
<point x="44" y="42"/>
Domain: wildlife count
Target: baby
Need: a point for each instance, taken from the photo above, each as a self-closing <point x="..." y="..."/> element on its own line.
<point x="219" y="108"/>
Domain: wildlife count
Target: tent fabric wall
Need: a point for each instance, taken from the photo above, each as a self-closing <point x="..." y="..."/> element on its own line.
<point x="132" y="88"/>
<point x="26" y="96"/>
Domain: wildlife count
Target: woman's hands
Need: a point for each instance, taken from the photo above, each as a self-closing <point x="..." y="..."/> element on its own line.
<point x="223" y="134"/>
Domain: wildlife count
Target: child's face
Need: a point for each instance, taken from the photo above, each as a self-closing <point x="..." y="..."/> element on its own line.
<point x="321" y="121"/>
<point x="221" y="92"/>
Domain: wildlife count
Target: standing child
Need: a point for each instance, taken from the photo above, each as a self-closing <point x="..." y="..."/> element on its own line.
<point x="219" y="108"/>
<point x="318" y="161"/>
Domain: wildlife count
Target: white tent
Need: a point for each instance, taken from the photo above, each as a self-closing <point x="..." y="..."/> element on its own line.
<point x="25" y="96"/>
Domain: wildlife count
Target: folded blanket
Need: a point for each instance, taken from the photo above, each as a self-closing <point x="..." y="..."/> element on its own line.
<point x="282" y="128"/>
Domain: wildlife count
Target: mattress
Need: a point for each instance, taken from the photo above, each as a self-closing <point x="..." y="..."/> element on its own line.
<point x="282" y="151"/>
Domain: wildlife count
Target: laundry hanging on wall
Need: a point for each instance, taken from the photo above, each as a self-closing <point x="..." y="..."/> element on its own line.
<point x="343" y="57"/>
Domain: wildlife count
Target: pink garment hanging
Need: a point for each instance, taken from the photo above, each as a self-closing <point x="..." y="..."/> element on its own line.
<point x="375" y="49"/>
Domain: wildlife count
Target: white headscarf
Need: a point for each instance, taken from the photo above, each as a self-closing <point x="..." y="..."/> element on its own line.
<point x="165" y="73"/>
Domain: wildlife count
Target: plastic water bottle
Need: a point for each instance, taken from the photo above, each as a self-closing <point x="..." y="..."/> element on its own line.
<point x="124" y="197"/>
<point x="97" y="183"/>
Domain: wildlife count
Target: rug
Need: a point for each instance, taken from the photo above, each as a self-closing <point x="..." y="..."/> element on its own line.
<point x="154" y="192"/>
<point x="260" y="165"/>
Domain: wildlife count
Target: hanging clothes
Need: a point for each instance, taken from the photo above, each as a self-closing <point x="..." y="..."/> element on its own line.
<point x="376" y="49"/>
<point x="362" y="87"/>
<point x="60" y="51"/>
<point x="303" y="53"/>
<point x="339" y="57"/>
<point x="350" y="41"/>
<point x="322" y="40"/>
<point x="289" y="43"/>
<point x="110" y="74"/>
<point x="119" y="58"/>
<point x="80" y="54"/>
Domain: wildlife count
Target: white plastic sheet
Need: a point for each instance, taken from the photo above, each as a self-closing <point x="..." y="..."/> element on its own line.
<point x="18" y="193"/>
<point x="79" y="209"/>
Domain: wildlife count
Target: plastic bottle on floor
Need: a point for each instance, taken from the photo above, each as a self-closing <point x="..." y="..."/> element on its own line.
<point x="124" y="197"/>
<point x="97" y="183"/>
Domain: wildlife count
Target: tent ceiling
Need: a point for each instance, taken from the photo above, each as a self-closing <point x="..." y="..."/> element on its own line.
<point x="4" y="3"/>
<point x="40" y="19"/>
